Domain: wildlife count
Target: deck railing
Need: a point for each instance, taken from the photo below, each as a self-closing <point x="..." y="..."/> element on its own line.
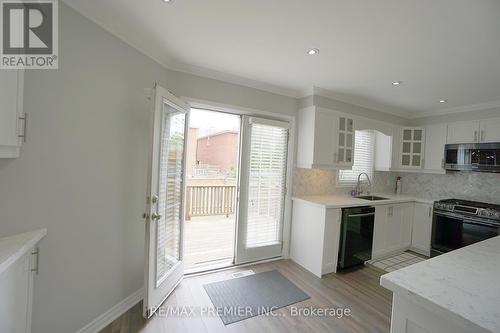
<point x="202" y="200"/>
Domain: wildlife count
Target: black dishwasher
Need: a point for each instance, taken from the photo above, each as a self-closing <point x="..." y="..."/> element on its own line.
<point x="356" y="236"/>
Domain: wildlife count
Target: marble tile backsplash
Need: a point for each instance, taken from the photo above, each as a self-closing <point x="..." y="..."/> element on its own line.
<point x="474" y="186"/>
<point x="484" y="187"/>
<point x="316" y="182"/>
<point x="313" y="182"/>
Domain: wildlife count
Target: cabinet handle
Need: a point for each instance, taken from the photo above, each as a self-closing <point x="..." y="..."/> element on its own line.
<point x="24" y="118"/>
<point x="430" y="211"/>
<point x="482" y="135"/>
<point x="36" y="252"/>
<point x="475" y="136"/>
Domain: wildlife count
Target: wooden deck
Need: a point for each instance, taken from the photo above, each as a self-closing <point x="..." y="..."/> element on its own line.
<point x="208" y="239"/>
<point x="359" y="290"/>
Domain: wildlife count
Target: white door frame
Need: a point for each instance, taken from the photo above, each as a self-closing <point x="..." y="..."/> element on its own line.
<point x="221" y="107"/>
<point x="156" y="292"/>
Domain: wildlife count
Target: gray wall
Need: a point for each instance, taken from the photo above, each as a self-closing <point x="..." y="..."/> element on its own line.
<point x="82" y="173"/>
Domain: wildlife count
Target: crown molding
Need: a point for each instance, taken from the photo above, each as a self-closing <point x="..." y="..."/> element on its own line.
<point x="234" y="79"/>
<point x="364" y="103"/>
<point x="457" y="109"/>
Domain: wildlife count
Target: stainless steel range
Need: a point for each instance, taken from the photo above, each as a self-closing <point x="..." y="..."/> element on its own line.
<point x="458" y="223"/>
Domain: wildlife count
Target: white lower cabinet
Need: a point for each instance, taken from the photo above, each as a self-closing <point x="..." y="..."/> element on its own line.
<point x="393" y="228"/>
<point x="422" y="228"/>
<point x="16" y="289"/>
<point x="315" y="234"/>
<point x="18" y="266"/>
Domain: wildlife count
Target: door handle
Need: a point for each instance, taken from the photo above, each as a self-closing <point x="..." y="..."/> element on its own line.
<point x="361" y="215"/>
<point x="155" y="216"/>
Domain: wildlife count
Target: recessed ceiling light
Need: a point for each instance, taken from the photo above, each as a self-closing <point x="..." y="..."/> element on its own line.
<point x="313" y="51"/>
<point x="443" y="100"/>
<point x="397" y="83"/>
<point x="167" y="1"/>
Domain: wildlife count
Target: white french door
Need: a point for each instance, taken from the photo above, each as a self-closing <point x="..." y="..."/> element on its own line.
<point x="165" y="203"/>
<point x="264" y="155"/>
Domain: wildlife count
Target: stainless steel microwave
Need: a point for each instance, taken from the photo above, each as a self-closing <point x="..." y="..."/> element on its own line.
<point x="481" y="157"/>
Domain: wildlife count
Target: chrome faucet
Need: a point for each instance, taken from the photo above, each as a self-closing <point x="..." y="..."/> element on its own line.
<point x="358" y="185"/>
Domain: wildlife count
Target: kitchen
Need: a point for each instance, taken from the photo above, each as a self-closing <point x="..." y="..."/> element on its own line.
<point x="329" y="166"/>
<point x="374" y="221"/>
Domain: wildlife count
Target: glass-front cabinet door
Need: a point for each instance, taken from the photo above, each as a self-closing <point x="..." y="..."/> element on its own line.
<point x="344" y="155"/>
<point x="412" y="147"/>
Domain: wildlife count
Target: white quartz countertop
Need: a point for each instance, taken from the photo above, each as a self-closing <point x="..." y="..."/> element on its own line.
<point x="14" y="247"/>
<point x="462" y="285"/>
<point x="342" y="201"/>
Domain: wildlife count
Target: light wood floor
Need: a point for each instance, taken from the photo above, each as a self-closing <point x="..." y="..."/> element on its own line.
<point x="358" y="290"/>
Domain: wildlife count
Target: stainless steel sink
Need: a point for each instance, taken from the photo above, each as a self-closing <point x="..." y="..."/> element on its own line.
<point x="371" y="197"/>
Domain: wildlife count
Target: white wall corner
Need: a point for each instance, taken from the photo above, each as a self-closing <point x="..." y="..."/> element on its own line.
<point x="110" y="315"/>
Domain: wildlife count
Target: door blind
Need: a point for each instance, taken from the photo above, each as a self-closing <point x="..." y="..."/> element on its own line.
<point x="266" y="191"/>
<point x="170" y="192"/>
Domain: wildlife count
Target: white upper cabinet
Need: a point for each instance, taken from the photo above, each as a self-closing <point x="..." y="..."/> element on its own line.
<point x="411" y="149"/>
<point x="435" y="140"/>
<point x="419" y="149"/>
<point x="344" y="156"/>
<point x="489" y="130"/>
<point x="463" y="132"/>
<point x="12" y="119"/>
<point x="325" y="139"/>
<point x="486" y="130"/>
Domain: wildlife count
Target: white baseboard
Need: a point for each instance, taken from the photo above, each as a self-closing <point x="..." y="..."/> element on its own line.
<point x="116" y="311"/>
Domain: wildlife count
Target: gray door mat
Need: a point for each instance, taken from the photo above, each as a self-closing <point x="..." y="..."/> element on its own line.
<point x="249" y="296"/>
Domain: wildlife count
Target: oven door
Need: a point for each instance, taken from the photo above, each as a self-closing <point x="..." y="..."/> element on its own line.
<point x="452" y="231"/>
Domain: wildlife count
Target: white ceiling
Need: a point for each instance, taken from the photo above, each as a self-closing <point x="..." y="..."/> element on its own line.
<point x="440" y="49"/>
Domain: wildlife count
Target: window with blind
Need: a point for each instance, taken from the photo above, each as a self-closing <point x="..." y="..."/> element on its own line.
<point x="267" y="175"/>
<point x="364" y="147"/>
